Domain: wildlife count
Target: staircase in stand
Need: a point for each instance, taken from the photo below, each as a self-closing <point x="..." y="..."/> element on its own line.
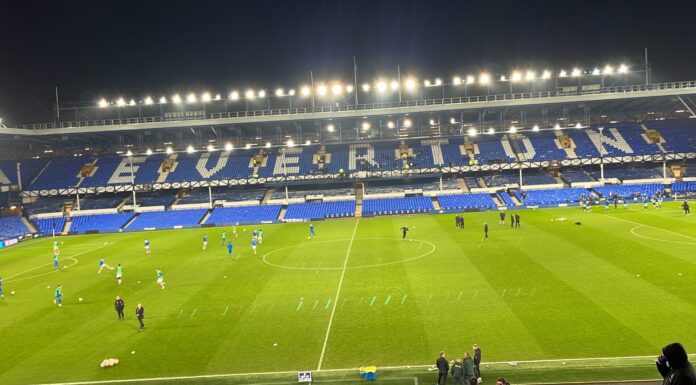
<point x="267" y="196"/>
<point x="436" y="204"/>
<point x="281" y="215"/>
<point x="358" y="200"/>
<point x="206" y="216"/>
<point x="462" y="185"/>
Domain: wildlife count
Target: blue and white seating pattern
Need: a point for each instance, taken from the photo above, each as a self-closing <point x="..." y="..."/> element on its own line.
<point x="389" y="206"/>
<point x="481" y="201"/>
<point x="551" y="196"/>
<point x="320" y="210"/>
<point x="100" y="222"/>
<point x="11" y="227"/>
<point x="50" y="226"/>
<point x="167" y="219"/>
<point x="244" y="214"/>
<point x="629" y="190"/>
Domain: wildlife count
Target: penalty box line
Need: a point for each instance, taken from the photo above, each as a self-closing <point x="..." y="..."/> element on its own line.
<point x="8" y="279"/>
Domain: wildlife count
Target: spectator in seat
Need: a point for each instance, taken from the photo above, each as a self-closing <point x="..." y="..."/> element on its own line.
<point x="674" y="366"/>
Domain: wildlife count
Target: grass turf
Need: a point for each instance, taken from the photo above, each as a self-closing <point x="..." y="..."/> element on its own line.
<point x="620" y="284"/>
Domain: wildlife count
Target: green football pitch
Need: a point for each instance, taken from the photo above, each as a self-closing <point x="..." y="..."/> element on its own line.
<point x="549" y="301"/>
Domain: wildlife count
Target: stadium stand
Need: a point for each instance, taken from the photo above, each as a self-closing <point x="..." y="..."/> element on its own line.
<point x="482" y="201"/>
<point x="320" y="210"/>
<point x="576" y="175"/>
<point x="629" y="190"/>
<point x="167" y="219"/>
<point x="11" y="227"/>
<point x="390" y="206"/>
<point x="46" y="205"/>
<point x="163" y="198"/>
<point x="100" y="202"/>
<point x="50" y="226"/>
<point x="506" y="199"/>
<point x="101" y="223"/>
<point x="536" y="177"/>
<point x="550" y="197"/>
<point x="244" y="214"/>
<point x="683" y="187"/>
<point x="501" y="179"/>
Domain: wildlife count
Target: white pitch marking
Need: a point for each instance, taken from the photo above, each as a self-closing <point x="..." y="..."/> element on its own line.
<point x="633" y="231"/>
<point x="653" y="227"/>
<point x="338" y="292"/>
<point x="51" y="263"/>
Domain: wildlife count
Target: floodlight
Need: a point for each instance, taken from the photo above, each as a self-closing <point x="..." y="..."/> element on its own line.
<point x="503" y="78"/>
<point x="308" y="142"/>
<point x="163" y="100"/>
<point x="210" y="148"/>
<point x="491" y="131"/>
<point x="394" y="85"/>
<point x="530" y="76"/>
<point x="169" y="150"/>
<point x="390" y="124"/>
<point x="426" y="82"/>
<point x="176" y="99"/>
<point x="578" y="125"/>
<point x="234" y="95"/>
<point x="291" y="92"/>
<point x="381" y="86"/>
<point x="262" y="94"/>
<point x="596" y="71"/>
<point x="608" y="70"/>
<point x="349" y="88"/>
<point x="472" y="132"/>
<point x="191" y="98"/>
<point x="512" y="129"/>
<point x="305" y="91"/>
<point x="205" y="97"/>
<point x="247" y="146"/>
<point x="249" y="94"/>
<point x="148" y="101"/>
<point x="484" y="78"/>
<point x="432" y="122"/>
<point x="330" y="127"/>
<point x="576" y="72"/>
<point x="291" y="143"/>
<point x="456" y="80"/>
<point x="190" y="149"/>
<point x="148" y="152"/>
<point x="217" y="97"/>
<point x="407" y="123"/>
<point x="516" y="76"/>
<point x="557" y="127"/>
<point x="623" y="69"/>
<point x="365" y="125"/>
<point x="546" y="74"/>
<point x="535" y="128"/>
<point x="279" y="92"/>
<point x="103" y="103"/>
<point x="129" y="153"/>
<point x="268" y="144"/>
<point x="132" y="102"/>
<point x="336" y="89"/>
<point x="410" y="84"/>
<point x="438" y="82"/>
<point x="120" y="102"/>
<point x="452" y="121"/>
<point x="321" y="90"/>
<point x="229" y="147"/>
<point x="366" y="87"/>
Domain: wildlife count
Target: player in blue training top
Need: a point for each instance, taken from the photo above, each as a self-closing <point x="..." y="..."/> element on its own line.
<point x="311" y="231"/>
<point x="205" y="241"/>
<point x="56" y="265"/>
<point x="255" y="234"/>
<point x="59" y="296"/>
<point x="229" y="248"/>
<point x="147" y="246"/>
<point x="103" y="265"/>
<point x="254" y="241"/>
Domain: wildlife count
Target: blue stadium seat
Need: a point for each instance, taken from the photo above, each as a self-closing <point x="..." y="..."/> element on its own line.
<point x="458" y="202"/>
<point x="321" y="210"/>
<point x="167" y="219"/>
<point x="390" y="206"/>
<point x="244" y="214"/>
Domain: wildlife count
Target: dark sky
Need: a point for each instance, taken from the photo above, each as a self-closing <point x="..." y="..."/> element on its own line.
<point x="98" y="48"/>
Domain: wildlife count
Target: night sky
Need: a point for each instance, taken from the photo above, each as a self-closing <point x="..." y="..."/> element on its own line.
<point x="91" y="49"/>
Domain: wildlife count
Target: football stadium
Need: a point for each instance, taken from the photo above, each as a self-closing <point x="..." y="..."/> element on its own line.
<point x="349" y="228"/>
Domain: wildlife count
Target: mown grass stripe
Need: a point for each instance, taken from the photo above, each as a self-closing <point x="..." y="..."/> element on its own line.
<point x="387" y="300"/>
<point x="374" y="298"/>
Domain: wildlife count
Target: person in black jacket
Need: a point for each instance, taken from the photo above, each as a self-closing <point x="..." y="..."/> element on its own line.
<point x="140" y="313"/>
<point x="119" y="305"/>
<point x="674" y="366"/>
<point x="517" y="220"/>
<point x="477" y="362"/>
<point x="443" y="368"/>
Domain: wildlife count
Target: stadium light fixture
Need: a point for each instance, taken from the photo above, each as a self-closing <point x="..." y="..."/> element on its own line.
<point x="169" y="150"/>
<point x="218" y="97"/>
<point x="596" y="71"/>
<point x="307" y="142"/>
<point x="247" y="146"/>
<point x="503" y="78"/>
<point x="120" y="102"/>
<point x="366" y="87"/>
<point x="336" y="89"/>
<point x="349" y="88"/>
<point x="456" y="80"/>
<point x="148" y="152"/>
<point x="426" y="83"/>
<point x="453" y="121"/>
<point x="535" y="128"/>
<point x="229" y="147"/>
<point x="330" y="127"/>
<point x="623" y="69"/>
<point x="291" y="92"/>
<point x="191" y="98"/>
<point x="438" y="82"/>
<point x="305" y="91"/>
<point x="129" y="153"/>
<point x="576" y="72"/>
<point x="290" y="143"/>
<point x="407" y="123"/>
<point x="279" y="92"/>
<point x="381" y="86"/>
<point x="516" y="76"/>
<point x="432" y="122"/>
<point x="608" y="70"/>
<point x="234" y="95"/>
<point x="210" y="148"/>
<point x="268" y="144"/>
<point x="530" y="76"/>
<point x="190" y="149"/>
<point x="394" y="85"/>
<point x="472" y="132"/>
<point x="512" y="129"/>
<point x="390" y="124"/>
<point x="206" y="97"/>
<point x="491" y="131"/>
<point x="163" y="100"/>
<point x="578" y="125"/>
<point x="546" y="75"/>
<point x="321" y="90"/>
<point x="176" y="99"/>
<point x="365" y="125"/>
<point x="470" y="79"/>
<point x="148" y="101"/>
<point x="249" y="94"/>
<point x="103" y="103"/>
<point x="410" y="84"/>
<point x="563" y="74"/>
<point x="262" y="94"/>
<point x="484" y="78"/>
<point x="131" y="102"/>
<point x="557" y="127"/>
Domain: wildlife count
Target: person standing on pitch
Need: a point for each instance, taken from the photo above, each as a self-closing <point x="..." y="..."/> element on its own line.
<point x="404" y="231"/>
<point x="443" y="369"/>
<point x="205" y="241"/>
<point x="119" y="273"/>
<point x="457" y="372"/>
<point x="160" y="278"/>
<point x="224" y="237"/>
<point x="59" y="296"/>
<point x="485" y="230"/>
<point x="477" y="362"/>
<point x="512" y="220"/>
<point x="685" y="207"/>
<point x="502" y="217"/>
<point x="119" y="305"/>
<point x="229" y="248"/>
<point x="56" y="265"/>
<point x="517" y="220"/>
<point x="147" y="246"/>
<point x="140" y="314"/>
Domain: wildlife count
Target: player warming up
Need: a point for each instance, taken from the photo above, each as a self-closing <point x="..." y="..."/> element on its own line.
<point x="260" y="236"/>
<point x="103" y="265"/>
<point x="147" y="246"/>
<point x="160" y="278"/>
<point x="205" y="241"/>
<point x="311" y="231"/>
<point x="230" y="246"/>
<point x="56" y="265"/>
<point x="485" y="229"/>
<point x="254" y="242"/>
<point x="59" y="296"/>
<point x="685" y="207"/>
<point x="404" y="231"/>
<point x="224" y="237"/>
<point x="119" y="273"/>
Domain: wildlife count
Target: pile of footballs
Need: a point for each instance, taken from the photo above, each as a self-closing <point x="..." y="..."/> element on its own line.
<point x="109" y="362"/>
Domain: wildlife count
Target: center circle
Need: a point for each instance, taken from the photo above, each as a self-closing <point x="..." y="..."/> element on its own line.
<point x="638" y="234"/>
<point x="417" y="248"/>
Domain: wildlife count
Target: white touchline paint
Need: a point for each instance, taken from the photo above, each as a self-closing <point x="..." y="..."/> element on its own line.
<point x="51" y="263"/>
<point x="652" y="227"/>
<point x="338" y="292"/>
